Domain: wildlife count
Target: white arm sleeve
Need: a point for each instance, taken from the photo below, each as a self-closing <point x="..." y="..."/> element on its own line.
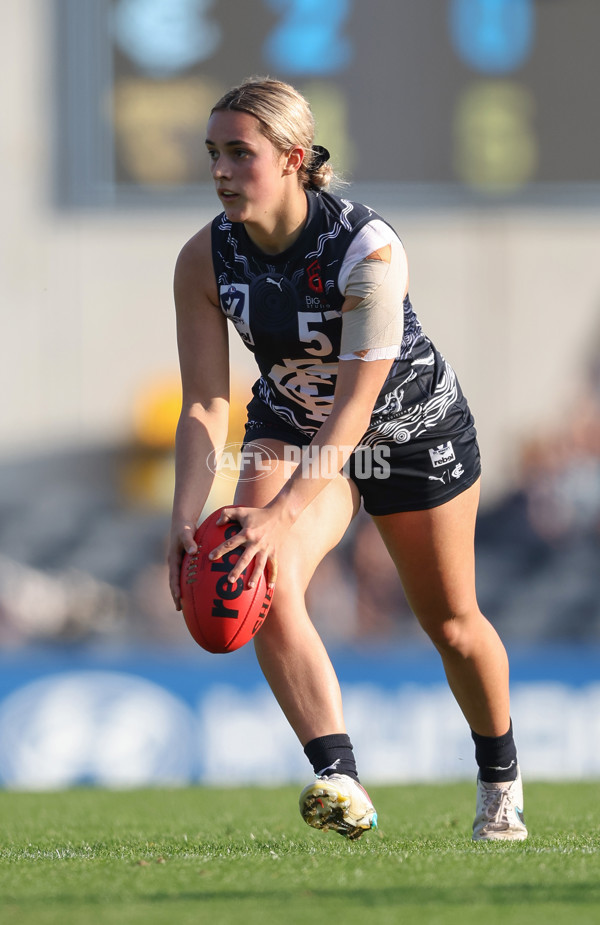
<point x="375" y="353"/>
<point x="376" y="323"/>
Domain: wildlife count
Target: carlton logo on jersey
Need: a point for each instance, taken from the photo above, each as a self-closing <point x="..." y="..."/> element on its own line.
<point x="308" y="384"/>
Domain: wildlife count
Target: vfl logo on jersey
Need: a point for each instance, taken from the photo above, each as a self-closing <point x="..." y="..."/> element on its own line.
<point x="442" y="455"/>
<point x="235" y="302"/>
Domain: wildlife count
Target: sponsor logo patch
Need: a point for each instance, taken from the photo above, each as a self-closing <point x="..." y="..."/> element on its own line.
<point x="314" y="276"/>
<point x="442" y="455"/>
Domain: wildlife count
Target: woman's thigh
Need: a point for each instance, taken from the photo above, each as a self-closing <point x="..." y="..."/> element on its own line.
<point x="433" y="551"/>
<point x="318" y="529"/>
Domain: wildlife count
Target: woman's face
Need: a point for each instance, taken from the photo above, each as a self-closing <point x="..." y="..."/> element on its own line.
<point x="248" y="172"/>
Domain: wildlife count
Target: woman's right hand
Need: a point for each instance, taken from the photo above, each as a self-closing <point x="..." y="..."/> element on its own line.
<point x="181" y="541"/>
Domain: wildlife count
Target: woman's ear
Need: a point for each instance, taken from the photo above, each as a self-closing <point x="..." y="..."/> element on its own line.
<point x="293" y="160"/>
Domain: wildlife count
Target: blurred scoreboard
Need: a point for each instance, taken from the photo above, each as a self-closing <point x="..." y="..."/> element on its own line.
<point x="492" y="100"/>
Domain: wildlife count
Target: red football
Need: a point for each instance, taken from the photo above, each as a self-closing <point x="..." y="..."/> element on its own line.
<point x="220" y="616"/>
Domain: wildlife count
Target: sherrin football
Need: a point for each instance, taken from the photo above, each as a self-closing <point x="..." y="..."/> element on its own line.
<point x="221" y="616"/>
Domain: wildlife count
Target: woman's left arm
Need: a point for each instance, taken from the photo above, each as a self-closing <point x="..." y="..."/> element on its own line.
<point x="357" y="388"/>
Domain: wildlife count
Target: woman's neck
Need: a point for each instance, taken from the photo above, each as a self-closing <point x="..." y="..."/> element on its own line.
<point x="279" y="231"/>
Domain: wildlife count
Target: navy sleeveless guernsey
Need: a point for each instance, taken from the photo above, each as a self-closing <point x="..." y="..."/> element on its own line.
<point x="287" y="308"/>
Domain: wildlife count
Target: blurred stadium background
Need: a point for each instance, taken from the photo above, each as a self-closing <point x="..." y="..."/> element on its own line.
<point x="472" y="124"/>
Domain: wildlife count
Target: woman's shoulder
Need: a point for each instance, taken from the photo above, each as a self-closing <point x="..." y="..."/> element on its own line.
<point x="349" y="213"/>
<point x="194" y="262"/>
<point x="197" y="247"/>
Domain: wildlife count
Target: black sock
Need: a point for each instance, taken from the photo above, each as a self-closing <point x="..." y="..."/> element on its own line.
<point x="331" y="754"/>
<point x="496" y="757"/>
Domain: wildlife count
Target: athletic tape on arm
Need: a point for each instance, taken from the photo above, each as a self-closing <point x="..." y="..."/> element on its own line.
<point x="378" y="319"/>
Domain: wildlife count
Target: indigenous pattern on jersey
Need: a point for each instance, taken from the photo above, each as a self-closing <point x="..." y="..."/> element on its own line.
<point x="287" y="309"/>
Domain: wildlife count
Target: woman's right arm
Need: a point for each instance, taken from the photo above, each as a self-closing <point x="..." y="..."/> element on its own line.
<point x="204" y="362"/>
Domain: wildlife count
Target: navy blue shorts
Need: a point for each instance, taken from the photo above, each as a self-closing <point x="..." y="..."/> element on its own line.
<point x="396" y="473"/>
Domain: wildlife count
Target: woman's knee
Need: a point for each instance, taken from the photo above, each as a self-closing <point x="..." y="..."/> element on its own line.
<point x="288" y="609"/>
<point x="453" y="632"/>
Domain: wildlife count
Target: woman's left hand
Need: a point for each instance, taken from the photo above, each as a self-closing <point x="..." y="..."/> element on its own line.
<point x="262" y="531"/>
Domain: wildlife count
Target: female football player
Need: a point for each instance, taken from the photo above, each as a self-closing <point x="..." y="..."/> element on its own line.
<point x="358" y="406"/>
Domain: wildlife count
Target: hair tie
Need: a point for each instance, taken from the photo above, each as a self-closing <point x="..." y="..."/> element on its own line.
<point x="320" y="156"/>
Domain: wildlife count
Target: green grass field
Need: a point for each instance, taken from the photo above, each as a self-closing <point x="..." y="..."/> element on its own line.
<point x="245" y="856"/>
